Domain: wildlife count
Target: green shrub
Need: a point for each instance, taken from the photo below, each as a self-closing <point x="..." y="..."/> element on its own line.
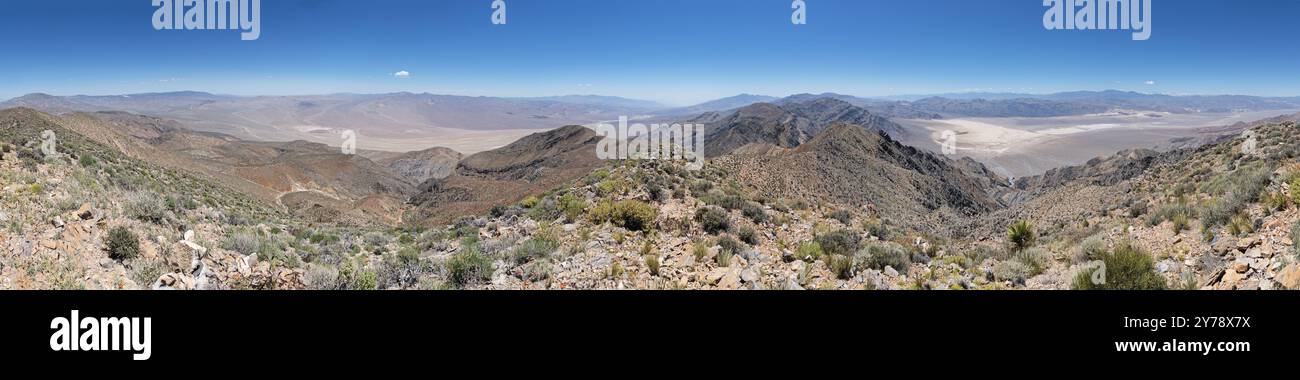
<point x="145" y="271"/>
<point x="529" y="202"/>
<point x="145" y="206"/>
<point x="545" y="210"/>
<point x="1233" y="192"/>
<point x="1180" y="223"/>
<point x="1168" y="212"/>
<point x="1294" y="188"/>
<point x="366" y="279"/>
<point x="1240" y="225"/>
<point x="748" y="235"/>
<point x="1138" y="208"/>
<point x="841" y="266"/>
<point x="755" y="212"/>
<point x="809" y="251"/>
<point x="402" y="269"/>
<point x="843" y="216"/>
<point x="243" y="243"/>
<point x="879" y="256"/>
<point x="122" y="244"/>
<point x="655" y="191"/>
<point x="728" y="247"/>
<point x="321" y="277"/>
<point x="611" y="187"/>
<point x="713" y="220"/>
<point x="535" y="248"/>
<point x="1092" y="247"/>
<point x="700" y="188"/>
<point x="651" y="259"/>
<point x="469" y="266"/>
<point x="87" y="160"/>
<point x="1012" y="270"/>
<point x="630" y="214"/>
<point x="652" y="263"/>
<point x="840" y="242"/>
<point x="352" y="276"/>
<point x="377" y="242"/>
<point x="1127" y="268"/>
<point x="1036" y="259"/>
<point x="498" y="211"/>
<point x="730" y="202"/>
<point x="1219" y="212"/>
<point x="879" y="230"/>
<point x="1276" y="201"/>
<point x="1021" y="235"/>
<point x="572" y="206"/>
<point x="699" y="250"/>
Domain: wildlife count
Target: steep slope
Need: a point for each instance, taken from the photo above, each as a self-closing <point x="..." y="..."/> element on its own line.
<point x="851" y="165"/>
<point x="314" y="180"/>
<point x="532" y="165"/>
<point x="419" y="166"/>
<point x="787" y="125"/>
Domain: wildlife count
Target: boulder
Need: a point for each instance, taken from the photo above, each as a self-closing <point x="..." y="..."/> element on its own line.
<point x="1290" y="277"/>
<point x="1231" y="279"/>
<point x="84" y="212"/>
<point x="1241" y="265"/>
<point x="1247" y="243"/>
<point x="724" y="278"/>
<point x="173" y="281"/>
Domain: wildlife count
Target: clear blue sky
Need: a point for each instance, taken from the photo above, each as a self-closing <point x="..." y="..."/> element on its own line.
<point x="675" y="51"/>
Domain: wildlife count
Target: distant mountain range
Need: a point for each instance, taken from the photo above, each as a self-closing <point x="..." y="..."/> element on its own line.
<point x="402" y="122"/>
<point x="397" y="121"/>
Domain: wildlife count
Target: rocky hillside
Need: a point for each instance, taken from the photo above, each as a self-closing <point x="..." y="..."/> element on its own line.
<point x="310" y="180"/>
<point x="788" y="125"/>
<point x="536" y="163"/>
<point x="420" y="166"/>
<point x="858" y="168"/>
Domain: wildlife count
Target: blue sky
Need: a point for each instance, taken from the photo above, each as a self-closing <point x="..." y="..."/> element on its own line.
<point x="674" y="51"/>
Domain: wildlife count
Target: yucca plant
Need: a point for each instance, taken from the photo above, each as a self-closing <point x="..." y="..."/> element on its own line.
<point x="1021" y="235"/>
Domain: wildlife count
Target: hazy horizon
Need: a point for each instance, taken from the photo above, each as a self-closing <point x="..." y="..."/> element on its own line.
<point x="666" y="105"/>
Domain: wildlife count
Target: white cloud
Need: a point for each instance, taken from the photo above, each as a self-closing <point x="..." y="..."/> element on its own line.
<point x="402" y="74"/>
<point x="1150" y="83"/>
